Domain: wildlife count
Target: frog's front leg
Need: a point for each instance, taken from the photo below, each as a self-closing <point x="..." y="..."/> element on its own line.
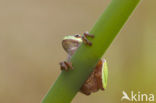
<point x="85" y="40"/>
<point x="66" y="65"/>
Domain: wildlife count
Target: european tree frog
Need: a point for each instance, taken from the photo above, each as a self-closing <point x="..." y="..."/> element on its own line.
<point x="98" y="78"/>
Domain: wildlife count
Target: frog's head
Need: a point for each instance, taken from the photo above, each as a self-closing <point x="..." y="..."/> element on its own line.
<point x="71" y="43"/>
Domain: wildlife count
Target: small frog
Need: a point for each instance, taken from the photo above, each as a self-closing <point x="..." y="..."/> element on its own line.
<point x="94" y="82"/>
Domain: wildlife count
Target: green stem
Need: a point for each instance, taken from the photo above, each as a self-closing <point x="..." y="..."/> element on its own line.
<point x="84" y="60"/>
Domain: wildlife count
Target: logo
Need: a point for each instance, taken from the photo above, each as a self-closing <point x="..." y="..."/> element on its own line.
<point x="138" y="96"/>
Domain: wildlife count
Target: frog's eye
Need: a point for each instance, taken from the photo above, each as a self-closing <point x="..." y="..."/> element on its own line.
<point x="77" y="35"/>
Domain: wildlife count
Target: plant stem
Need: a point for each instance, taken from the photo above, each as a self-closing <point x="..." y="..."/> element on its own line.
<point x="85" y="59"/>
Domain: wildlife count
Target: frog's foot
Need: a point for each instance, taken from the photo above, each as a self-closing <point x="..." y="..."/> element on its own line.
<point x="85" y="40"/>
<point x="66" y="65"/>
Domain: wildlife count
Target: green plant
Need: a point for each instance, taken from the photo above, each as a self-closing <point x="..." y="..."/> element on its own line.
<point x="84" y="60"/>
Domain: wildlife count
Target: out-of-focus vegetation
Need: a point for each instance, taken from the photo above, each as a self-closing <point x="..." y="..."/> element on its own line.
<point x="30" y="48"/>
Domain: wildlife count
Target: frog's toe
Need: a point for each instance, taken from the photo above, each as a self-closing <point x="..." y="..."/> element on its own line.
<point x="63" y="66"/>
<point x="86" y="34"/>
<point x="66" y="65"/>
<point x="85" y="40"/>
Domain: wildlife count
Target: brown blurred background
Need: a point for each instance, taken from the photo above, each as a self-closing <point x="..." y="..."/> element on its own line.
<point x="31" y="32"/>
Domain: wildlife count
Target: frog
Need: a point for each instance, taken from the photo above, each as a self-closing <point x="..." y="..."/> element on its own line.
<point x="70" y="44"/>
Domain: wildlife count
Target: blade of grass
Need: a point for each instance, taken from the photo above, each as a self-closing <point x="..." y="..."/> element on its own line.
<point x="84" y="60"/>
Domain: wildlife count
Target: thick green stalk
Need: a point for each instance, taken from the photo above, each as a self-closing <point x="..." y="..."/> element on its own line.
<point x="84" y="60"/>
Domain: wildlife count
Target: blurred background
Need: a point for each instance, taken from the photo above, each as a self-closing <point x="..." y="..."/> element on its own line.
<point x="31" y="32"/>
